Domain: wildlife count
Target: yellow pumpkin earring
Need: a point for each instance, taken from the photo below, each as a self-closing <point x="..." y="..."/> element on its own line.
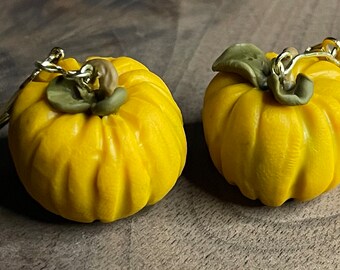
<point x="271" y="121"/>
<point x="97" y="141"/>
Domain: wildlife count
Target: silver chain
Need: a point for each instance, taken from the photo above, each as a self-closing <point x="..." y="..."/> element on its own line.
<point x="54" y="56"/>
<point x="82" y="76"/>
<point x="85" y="72"/>
<point x="284" y="63"/>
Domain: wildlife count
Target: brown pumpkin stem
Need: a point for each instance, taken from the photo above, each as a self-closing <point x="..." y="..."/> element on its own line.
<point x="106" y="74"/>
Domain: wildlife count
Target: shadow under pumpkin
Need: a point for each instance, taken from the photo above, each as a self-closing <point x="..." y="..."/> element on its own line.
<point x="13" y="195"/>
<point x="200" y="170"/>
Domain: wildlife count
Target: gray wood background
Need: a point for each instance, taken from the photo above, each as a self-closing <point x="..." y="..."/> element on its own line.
<point x="203" y="223"/>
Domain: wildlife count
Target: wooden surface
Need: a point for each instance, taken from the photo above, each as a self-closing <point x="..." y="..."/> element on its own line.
<point x="203" y="223"/>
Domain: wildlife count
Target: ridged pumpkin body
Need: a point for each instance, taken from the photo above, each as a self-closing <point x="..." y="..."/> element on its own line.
<point x="85" y="167"/>
<point x="275" y="152"/>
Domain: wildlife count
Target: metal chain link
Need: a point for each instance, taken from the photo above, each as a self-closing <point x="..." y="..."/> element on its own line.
<point x="54" y="56"/>
<point x="284" y="63"/>
<point x="85" y="71"/>
<point x="82" y="77"/>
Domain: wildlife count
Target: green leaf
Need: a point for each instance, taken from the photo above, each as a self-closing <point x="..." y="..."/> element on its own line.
<point x="246" y="60"/>
<point x="64" y="96"/>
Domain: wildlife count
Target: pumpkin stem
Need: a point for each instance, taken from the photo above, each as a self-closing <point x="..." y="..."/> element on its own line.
<point x="98" y="92"/>
<point x="251" y="63"/>
<point x="300" y="94"/>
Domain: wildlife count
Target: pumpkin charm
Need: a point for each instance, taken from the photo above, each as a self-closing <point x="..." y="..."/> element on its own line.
<point x="96" y="147"/>
<point x="272" y="122"/>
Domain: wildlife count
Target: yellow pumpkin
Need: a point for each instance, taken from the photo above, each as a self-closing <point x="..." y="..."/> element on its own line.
<point x="270" y="150"/>
<point x="86" y="167"/>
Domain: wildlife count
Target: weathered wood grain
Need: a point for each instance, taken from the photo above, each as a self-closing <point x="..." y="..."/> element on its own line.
<point x="203" y="223"/>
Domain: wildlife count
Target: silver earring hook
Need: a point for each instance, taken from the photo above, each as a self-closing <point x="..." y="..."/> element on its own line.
<point x="82" y="77"/>
<point x="284" y="63"/>
<point x="54" y="56"/>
